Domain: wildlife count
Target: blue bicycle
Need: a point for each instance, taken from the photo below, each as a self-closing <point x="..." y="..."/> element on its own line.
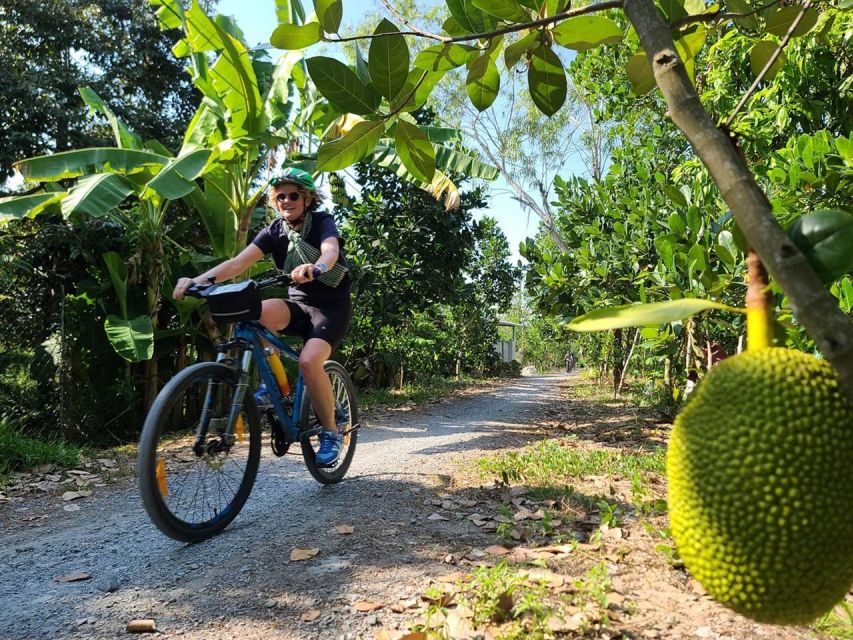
<point x="200" y="446"/>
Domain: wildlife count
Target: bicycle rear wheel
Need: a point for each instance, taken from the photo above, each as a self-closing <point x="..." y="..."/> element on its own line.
<point x="346" y="417"/>
<point x="193" y="485"/>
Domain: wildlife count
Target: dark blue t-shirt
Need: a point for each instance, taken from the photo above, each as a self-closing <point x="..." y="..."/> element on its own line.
<point x="273" y="239"/>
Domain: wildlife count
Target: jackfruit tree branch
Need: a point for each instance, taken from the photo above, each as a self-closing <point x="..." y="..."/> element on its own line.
<point x="812" y="304"/>
<point x="759" y="304"/>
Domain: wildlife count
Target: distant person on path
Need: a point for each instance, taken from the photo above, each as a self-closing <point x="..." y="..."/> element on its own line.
<point x="570" y="361"/>
<point x="301" y="238"/>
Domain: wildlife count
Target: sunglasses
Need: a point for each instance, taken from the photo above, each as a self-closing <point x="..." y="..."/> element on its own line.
<point x="293" y="196"/>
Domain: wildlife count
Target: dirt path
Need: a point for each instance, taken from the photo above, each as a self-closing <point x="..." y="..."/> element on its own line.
<point x="409" y="498"/>
<point x="242" y="584"/>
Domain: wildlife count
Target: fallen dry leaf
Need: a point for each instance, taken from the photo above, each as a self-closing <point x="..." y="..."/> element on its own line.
<point x="458" y="625"/>
<point x="496" y="550"/>
<point x="344" y="529"/>
<point x="364" y="606"/>
<point x="572" y="623"/>
<point x="311" y="615"/>
<point x="298" y="554"/>
<point x="397" y="608"/>
<point x="142" y="626"/>
<point x="456" y="576"/>
<point x="415" y="635"/>
<point x="550" y="578"/>
<point x="443" y="600"/>
<point x="71" y="495"/>
<point x="73" y="577"/>
<point x="437" y="516"/>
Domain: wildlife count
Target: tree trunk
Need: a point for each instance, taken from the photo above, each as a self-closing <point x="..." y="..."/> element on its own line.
<point x="812" y="304"/>
<point x="617" y="358"/>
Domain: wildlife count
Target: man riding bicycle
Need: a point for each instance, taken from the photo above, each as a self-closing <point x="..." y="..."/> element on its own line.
<point x="303" y="240"/>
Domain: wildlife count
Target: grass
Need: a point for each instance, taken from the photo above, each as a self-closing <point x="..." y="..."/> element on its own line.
<point x="19" y="452"/>
<point x="550" y="459"/>
<point x="417" y="393"/>
<point x="501" y="597"/>
<point x="838" y="623"/>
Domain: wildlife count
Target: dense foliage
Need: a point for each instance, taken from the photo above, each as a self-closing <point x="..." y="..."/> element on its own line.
<point x="51" y="48"/>
<point x="654" y="227"/>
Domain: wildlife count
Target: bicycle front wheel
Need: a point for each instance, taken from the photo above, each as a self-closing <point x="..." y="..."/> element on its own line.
<point x="346" y="417"/>
<point x="194" y="476"/>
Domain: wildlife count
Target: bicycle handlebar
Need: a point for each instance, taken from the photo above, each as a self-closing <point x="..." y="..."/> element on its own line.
<point x="197" y="290"/>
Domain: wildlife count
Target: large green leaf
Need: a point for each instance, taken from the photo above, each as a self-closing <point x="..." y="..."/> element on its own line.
<point x="781" y="21"/>
<point x="29" y="206"/>
<point x="133" y="339"/>
<point x="388" y="60"/>
<point x="689" y="46"/>
<point x="546" y="80"/>
<point x="124" y="137"/>
<point x="175" y="180"/>
<point x="416" y="91"/>
<point x="73" y="164"/>
<point x="215" y="212"/>
<point x="446" y="158"/>
<point x="118" y="276"/>
<point x="743" y="7"/>
<point x="640" y="74"/>
<point x="355" y="145"/>
<point x="826" y="237"/>
<point x="508" y="10"/>
<point x="586" y="32"/>
<point x="341" y="86"/>
<point x="231" y="80"/>
<point x="470" y="17"/>
<point x="452" y="161"/>
<point x="97" y="194"/>
<point x="281" y="105"/>
<point x="415" y="150"/>
<point x="444" y="57"/>
<point x="170" y="14"/>
<point x="330" y="13"/>
<point x="760" y="55"/>
<point x="641" y="315"/>
<point x="483" y="82"/>
<point x="513" y="52"/>
<point x="296" y="36"/>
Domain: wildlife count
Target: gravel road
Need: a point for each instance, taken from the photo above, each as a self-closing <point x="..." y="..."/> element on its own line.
<point x="242" y="584"/>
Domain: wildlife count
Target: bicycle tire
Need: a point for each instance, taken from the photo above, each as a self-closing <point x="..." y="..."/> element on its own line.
<point x="344" y="392"/>
<point x="161" y="460"/>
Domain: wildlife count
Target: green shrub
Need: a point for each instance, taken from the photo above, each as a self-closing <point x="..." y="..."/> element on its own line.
<point x="19" y="452"/>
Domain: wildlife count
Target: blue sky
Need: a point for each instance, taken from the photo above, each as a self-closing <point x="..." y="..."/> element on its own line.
<point x="257" y="20"/>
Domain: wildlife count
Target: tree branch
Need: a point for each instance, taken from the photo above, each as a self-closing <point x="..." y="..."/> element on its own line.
<point x="813" y="305"/>
<point x="486" y="35"/>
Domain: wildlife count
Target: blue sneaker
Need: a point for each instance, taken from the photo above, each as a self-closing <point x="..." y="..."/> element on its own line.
<point x="262" y="397"/>
<point x="330" y="448"/>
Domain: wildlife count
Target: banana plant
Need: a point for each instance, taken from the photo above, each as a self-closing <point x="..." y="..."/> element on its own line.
<point x="100" y="181"/>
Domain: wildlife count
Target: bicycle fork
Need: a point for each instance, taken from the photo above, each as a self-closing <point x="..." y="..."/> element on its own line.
<point x="210" y="400"/>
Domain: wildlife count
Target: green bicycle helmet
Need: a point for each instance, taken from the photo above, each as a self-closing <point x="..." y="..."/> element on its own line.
<point x="295" y="176"/>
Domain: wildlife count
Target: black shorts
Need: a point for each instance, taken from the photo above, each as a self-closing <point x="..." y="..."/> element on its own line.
<point x="329" y="323"/>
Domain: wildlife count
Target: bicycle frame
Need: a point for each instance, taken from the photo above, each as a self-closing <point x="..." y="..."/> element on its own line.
<point x="257" y="337"/>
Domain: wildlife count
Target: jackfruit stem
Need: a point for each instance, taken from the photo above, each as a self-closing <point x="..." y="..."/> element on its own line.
<point x="759" y="309"/>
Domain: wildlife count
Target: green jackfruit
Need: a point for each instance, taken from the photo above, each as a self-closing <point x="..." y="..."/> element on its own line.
<point x="760" y="473"/>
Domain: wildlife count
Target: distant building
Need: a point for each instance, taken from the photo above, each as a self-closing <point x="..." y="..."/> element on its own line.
<point x="506" y="348"/>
